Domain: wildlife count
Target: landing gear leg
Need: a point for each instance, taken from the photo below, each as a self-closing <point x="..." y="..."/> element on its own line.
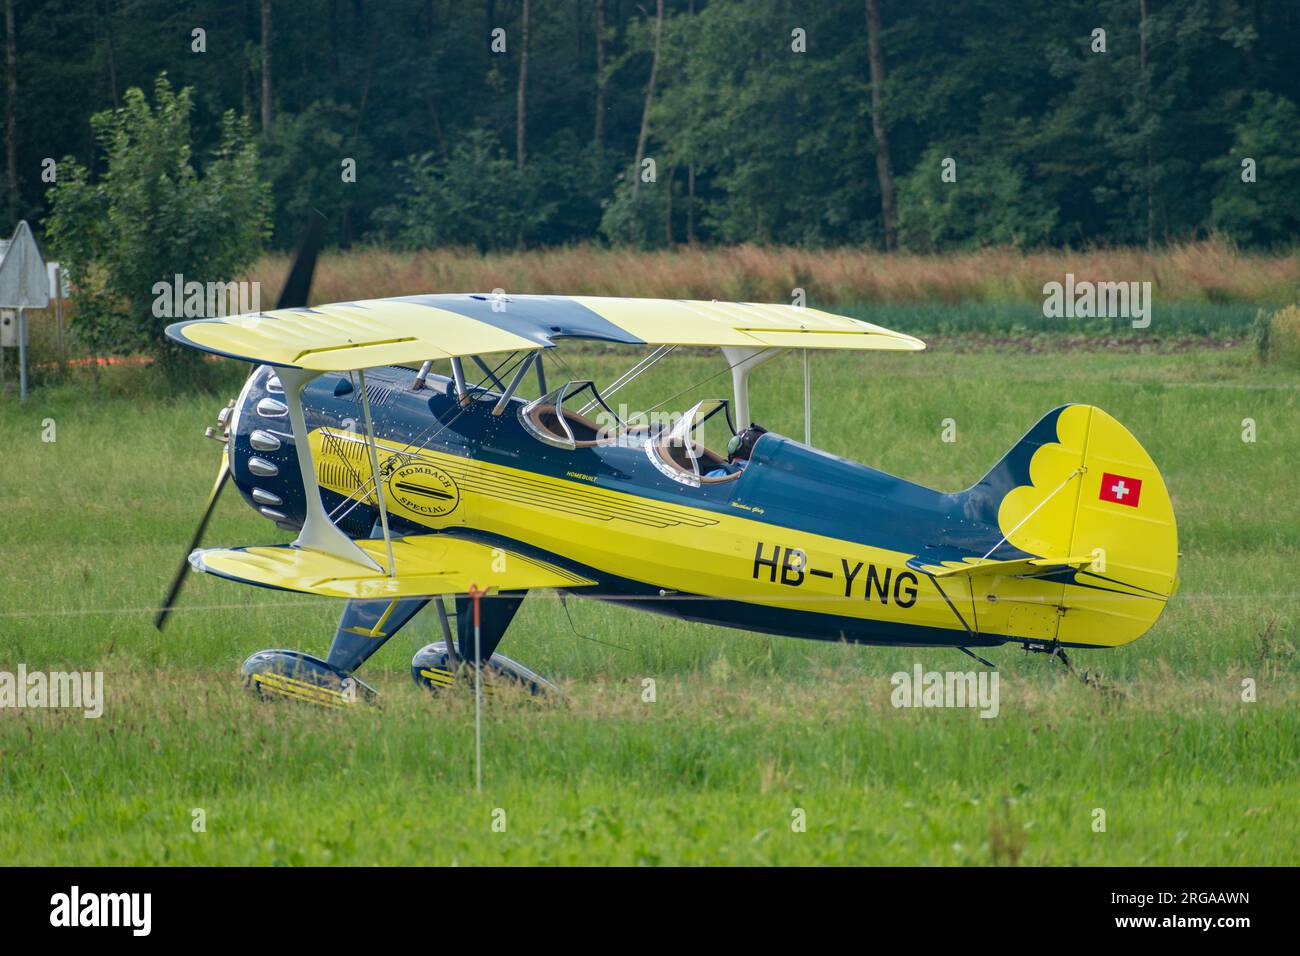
<point x="495" y="612"/>
<point x="452" y="661"/>
<point x="366" y="626"/>
<point x="436" y="666"/>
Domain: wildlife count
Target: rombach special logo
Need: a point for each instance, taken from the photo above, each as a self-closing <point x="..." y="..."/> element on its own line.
<point x="424" y="490"/>
<point x="75" y="908"/>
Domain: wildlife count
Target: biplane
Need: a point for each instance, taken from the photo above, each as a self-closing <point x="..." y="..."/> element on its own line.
<point x="407" y="488"/>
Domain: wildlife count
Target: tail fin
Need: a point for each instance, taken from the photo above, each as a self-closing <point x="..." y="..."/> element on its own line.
<point x="985" y="497"/>
<point x="1078" y="484"/>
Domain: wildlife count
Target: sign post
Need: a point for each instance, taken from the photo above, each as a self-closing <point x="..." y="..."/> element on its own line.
<point x="24" y="284"/>
<point x="56" y="290"/>
<point x="22" y="355"/>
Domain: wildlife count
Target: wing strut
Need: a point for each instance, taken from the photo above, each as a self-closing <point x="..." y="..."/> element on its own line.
<point x="807" y="401"/>
<point x="458" y="376"/>
<point x="374" y="467"/>
<point x="744" y="360"/>
<point x="318" y="532"/>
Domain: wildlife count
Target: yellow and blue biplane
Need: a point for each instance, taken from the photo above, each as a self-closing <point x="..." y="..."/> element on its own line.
<point x="405" y="488"/>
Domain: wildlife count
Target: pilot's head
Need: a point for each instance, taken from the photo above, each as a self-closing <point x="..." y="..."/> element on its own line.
<point x="741" y="445"/>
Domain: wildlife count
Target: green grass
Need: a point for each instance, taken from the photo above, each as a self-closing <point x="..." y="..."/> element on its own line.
<point x="745" y="728"/>
<point x="1221" y="320"/>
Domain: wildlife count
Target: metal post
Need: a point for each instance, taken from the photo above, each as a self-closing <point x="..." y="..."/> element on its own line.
<point x="22" y="355"/>
<point x="743" y="359"/>
<point x="58" y="317"/>
<point x="514" y="384"/>
<point x="541" y="375"/>
<point x="475" y="594"/>
<point x="500" y="386"/>
<point x="318" y="532"/>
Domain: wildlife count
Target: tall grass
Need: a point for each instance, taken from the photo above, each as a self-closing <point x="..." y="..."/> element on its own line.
<point x="1211" y="271"/>
<point x="1198" y="288"/>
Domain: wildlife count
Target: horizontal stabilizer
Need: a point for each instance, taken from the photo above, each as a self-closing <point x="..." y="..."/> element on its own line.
<point x="1023" y="566"/>
<point x="426" y="565"/>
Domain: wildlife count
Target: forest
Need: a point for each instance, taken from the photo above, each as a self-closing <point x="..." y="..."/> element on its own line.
<point x="502" y="124"/>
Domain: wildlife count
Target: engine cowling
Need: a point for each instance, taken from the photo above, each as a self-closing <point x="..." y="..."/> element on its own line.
<point x="263" y="458"/>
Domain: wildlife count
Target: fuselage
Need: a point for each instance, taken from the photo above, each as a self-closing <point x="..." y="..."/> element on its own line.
<point x="802" y="543"/>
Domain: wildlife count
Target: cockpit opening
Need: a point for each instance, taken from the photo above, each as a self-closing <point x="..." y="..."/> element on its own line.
<point x="549" y="420"/>
<point x="682" y="454"/>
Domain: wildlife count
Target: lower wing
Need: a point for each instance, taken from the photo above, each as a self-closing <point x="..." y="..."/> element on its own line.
<point x="424" y="565"/>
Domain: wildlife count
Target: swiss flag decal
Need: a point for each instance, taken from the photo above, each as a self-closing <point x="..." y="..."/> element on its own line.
<point x="1121" y="490"/>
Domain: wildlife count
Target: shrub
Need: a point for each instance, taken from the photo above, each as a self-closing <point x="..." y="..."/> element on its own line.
<point x="1279" y="338"/>
<point x="151" y="216"/>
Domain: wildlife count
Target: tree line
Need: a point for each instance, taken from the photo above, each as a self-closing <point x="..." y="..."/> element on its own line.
<point x="921" y="124"/>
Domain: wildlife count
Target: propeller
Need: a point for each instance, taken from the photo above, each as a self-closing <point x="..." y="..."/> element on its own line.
<point x="297" y="284"/>
<point x="178" y="579"/>
<point x="293" y="294"/>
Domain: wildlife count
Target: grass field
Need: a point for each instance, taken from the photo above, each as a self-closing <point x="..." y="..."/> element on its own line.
<point x="745" y="729"/>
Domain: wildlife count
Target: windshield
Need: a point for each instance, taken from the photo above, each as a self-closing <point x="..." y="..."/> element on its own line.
<point x="552" y="418"/>
<point x="686" y="452"/>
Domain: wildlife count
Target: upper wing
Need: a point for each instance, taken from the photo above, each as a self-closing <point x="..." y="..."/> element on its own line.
<point x="351" y="335"/>
<point x="427" y="565"/>
<point x="686" y="322"/>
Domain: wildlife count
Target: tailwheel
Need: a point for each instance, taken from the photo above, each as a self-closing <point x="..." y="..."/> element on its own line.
<point x="294" y="675"/>
<point x="433" y="669"/>
<point x="1089" y="679"/>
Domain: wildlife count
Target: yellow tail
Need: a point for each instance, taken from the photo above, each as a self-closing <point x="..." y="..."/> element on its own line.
<point x="1095" y="492"/>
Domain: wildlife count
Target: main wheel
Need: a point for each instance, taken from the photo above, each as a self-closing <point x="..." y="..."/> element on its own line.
<point x="298" y="676"/>
<point x="431" y="669"/>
